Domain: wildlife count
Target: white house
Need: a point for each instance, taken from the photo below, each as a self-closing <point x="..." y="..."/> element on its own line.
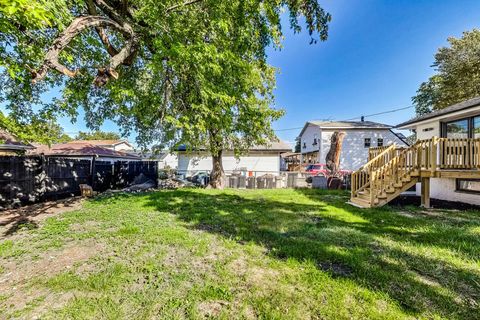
<point x="359" y="137"/>
<point x="462" y="121"/>
<point x="166" y="159"/>
<point x="116" y="145"/>
<point x="262" y="159"/>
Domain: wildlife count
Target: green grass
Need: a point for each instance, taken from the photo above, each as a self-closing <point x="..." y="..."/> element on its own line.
<point x="266" y="254"/>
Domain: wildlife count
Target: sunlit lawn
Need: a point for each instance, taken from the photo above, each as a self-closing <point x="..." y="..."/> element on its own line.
<point x="271" y="254"/>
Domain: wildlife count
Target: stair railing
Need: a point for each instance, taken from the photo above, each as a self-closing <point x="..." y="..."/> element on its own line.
<point x="416" y="157"/>
<point x="361" y="177"/>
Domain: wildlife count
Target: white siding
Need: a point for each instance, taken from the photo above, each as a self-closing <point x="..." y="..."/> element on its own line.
<point x="265" y="162"/>
<point x="122" y="147"/>
<point x="307" y="139"/>
<point x="428" y="130"/>
<point x="354" y="154"/>
<point x="444" y="189"/>
<point x="170" y="160"/>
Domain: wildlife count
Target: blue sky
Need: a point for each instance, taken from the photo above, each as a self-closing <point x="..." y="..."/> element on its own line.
<point x="377" y="54"/>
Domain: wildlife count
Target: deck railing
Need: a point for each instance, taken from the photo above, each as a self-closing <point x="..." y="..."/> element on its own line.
<point x="458" y="153"/>
<point x="375" y="151"/>
<point x="361" y="177"/>
<point x="393" y="172"/>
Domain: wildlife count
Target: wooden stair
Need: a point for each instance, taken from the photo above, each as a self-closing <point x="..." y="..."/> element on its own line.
<point x="385" y="177"/>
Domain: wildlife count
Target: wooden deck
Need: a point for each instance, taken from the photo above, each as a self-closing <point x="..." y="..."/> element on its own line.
<point x="392" y="170"/>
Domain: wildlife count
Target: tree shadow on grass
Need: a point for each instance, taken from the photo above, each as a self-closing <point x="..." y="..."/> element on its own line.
<point x="374" y="248"/>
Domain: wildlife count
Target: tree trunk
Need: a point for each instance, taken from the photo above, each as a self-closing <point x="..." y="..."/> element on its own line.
<point x="217" y="176"/>
<point x="333" y="156"/>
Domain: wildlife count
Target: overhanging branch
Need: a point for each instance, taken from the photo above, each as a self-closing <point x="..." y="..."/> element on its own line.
<point x="75" y="28"/>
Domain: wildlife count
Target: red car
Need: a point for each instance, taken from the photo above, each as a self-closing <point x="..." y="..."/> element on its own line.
<point x="321" y="169"/>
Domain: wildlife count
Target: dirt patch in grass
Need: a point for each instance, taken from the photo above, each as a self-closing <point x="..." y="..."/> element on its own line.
<point x="211" y="309"/>
<point x="15" y="280"/>
<point x="28" y="217"/>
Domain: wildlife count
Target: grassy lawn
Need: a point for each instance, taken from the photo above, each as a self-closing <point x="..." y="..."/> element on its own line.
<point x="271" y="254"/>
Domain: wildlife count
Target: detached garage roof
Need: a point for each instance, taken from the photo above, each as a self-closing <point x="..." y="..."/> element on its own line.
<point x="280" y="146"/>
<point x="80" y="150"/>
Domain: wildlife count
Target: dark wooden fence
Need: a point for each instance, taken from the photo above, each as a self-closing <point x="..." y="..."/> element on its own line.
<point x="34" y="178"/>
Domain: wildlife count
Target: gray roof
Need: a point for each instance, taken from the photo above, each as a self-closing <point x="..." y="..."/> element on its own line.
<point x="346" y="125"/>
<point x="274" y="146"/>
<point x="350" y="124"/>
<point x="280" y="146"/>
<point x="453" y="108"/>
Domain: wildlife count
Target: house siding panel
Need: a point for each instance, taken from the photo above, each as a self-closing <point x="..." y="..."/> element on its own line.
<point x="354" y="154"/>
<point x="307" y="138"/>
<point x="428" y="130"/>
<point x="264" y="162"/>
<point x="444" y="189"/>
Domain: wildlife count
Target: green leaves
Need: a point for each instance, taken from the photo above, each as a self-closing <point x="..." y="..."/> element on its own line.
<point x="199" y="74"/>
<point x="458" y="74"/>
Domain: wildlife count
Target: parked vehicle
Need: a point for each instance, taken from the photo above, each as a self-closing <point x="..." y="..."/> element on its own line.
<point x="319" y="168"/>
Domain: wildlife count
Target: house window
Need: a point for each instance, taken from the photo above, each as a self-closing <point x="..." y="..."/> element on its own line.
<point x="380" y="142"/>
<point x="468" y="185"/>
<point x="367" y="142"/>
<point x="476" y="127"/>
<point x="315" y="140"/>
<point x="304" y="145"/>
<point x="457" y="129"/>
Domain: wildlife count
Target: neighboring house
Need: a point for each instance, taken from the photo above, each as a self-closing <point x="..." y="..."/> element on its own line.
<point x="165" y="159"/>
<point x="359" y="137"/>
<point x="116" y="145"/>
<point x="459" y="121"/>
<point x="262" y="159"/>
<point x="10" y="146"/>
<point x="84" y="150"/>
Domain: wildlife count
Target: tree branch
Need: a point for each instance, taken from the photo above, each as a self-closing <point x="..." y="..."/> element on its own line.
<point x="174" y="7"/>
<point x="100" y="31"/>
<point x="75" y="28"/>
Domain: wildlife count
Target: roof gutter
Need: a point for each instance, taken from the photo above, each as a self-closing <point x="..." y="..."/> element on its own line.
<point x="15" y="147"/>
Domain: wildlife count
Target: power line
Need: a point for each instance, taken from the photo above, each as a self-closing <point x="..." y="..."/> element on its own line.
<point x="359" y="117"/>
<point x="384" y="112"/>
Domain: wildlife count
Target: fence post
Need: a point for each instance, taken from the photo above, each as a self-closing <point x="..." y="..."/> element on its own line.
<point x="43" y="177"/>
<point x="92" y="172"/>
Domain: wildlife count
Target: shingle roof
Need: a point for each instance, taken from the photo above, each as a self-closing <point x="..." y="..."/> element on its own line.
<point x="345" y="125"/>
<point x="453" y="108"/>
<point x="101" y="142"/>
<point x="7" y="140"/>
<point x="280" y="146"/>
<point x="350" y="124"/>
<point x="80" y="149"/>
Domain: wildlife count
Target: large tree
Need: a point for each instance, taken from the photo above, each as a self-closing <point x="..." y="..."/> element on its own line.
<point x="97" y="135"/>
<point x="457" y="76"/>
<point x="176" y="72"/>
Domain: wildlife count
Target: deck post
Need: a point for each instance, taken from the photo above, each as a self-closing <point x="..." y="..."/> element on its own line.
<point x="425" y="197"/>
<point x="433" y="155"/>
